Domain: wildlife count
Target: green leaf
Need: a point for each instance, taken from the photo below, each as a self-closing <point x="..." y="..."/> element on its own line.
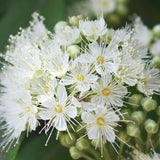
<point x="34" y="149"/>
<point x="18" y="13"/>
<point x="11" y="154"/>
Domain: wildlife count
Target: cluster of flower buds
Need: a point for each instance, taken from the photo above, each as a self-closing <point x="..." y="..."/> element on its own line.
<point x="114" y="11"/>
<point x="77" y="80"/>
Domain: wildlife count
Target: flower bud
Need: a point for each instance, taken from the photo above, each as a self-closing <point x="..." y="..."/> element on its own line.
<point x="151" y="126"/>
<point x="73" y="50"/>
<point x="137" y="116"/>
<point x="82" y="144"/>
<point x="158" y="110"/>
<point x="74" y="20"/>
<point x="135" y="100"/>
<point x="133" y="130"/>
<point x="126" y="113"/>
<point x="156" y="30"/>
<point x="156" y="61"/>
<point x="74" y="152"/>
<point x="149" y="104"/>
<point x="122" y="9"/>
<point x="60" y="24"/>
<point x="95" y="143"/>
<point x="66" y="140"/>
<point x="114" y="19"/>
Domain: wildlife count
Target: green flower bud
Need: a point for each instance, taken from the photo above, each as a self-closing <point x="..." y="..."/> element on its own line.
<point x="73" y="50"/>
<point x="114" y="19"/>
<point x="135" y="100"/>
<point x="60" y="24"/>
<point x="151" y="126"/>
<point x="74" y="20"/>
<point x="82" y="144"/>
<point x="126" y="113"/>
<point x="66" y="140"/>
<point x="158" y="110"/>
<point x="149" y="104"/>
<point x="137" y="116"/>
<point x="122" y="9"/>
<point x="133" y="130"/>
<point x="156" y="30"/>
<point x="95" y="143"/>
<point x="156" y="61"/>
<point x="75" y="153"/>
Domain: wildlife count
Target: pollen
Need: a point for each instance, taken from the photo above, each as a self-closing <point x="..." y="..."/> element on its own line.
<point x="100" y="60"/>
<point x="58" y="108"/>
<point x="100" y="121"/>
<point x="80" y="77"/>
<point x="106" y="91"/>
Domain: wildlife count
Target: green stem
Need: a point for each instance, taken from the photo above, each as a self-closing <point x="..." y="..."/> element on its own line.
<point x="87" y="157"/>
<point x="106" y="154"/>
<point x="94" y="153"/>
<point x="120" y="150"/>
<point x="148" y="141"/>
<point x="140" y="142"/>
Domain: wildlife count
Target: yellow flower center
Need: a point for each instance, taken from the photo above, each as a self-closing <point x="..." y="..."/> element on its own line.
<point x="100" y="60"/>
<point x="144" y="82"/>
<point x="106" y="91"/>
<point x="27" y="109"/>
<point x="58" y="108"/>
<point x="80" y="77"/>
<point x="104" y="4"/>
<point x="100" y="121"/>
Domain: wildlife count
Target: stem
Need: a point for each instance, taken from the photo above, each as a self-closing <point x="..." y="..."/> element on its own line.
<point x="140" y="142"/>
<point x="94" y="153"/>
<point x="148" y="141"/>
<point x="87" y="157"/>
<point x="120" y="150"/>
<point x="106" y="154"/>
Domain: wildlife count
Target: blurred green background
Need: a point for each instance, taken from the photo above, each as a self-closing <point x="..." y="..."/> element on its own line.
<point x="17" y="13"/>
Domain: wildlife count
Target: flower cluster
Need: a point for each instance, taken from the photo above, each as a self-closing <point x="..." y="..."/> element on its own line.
<point x="78" y="75"/>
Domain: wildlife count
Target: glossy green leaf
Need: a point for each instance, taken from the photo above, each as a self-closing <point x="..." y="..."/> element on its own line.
<point x="34" y="149"/>
<point x="18" y="13"/>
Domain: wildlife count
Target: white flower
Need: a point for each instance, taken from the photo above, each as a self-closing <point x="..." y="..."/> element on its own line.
<point x="24" y="56"/>
<point x="127" y="70"/>
<point x="37" y="32"/>
<point x="108" y="92"/>
<point x="119" y="36"/>
<point x="93" y="29"/>
<point x="81" y="77"/>
<point x="58" y="111"/>
<point x="142" y="33"/>
<point x="19" y="114"/>
<point x="149" y="82"/>
<point x="155" y="47"/>
<point x="55" y="62"/>
<point x="102" y="57"/>
<point x="138" y="155"/>
<point x="100" y="124"/>
<point x="67" y="35"/>
<point x="41" y="87"/>
<point x="107" y="6"/>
